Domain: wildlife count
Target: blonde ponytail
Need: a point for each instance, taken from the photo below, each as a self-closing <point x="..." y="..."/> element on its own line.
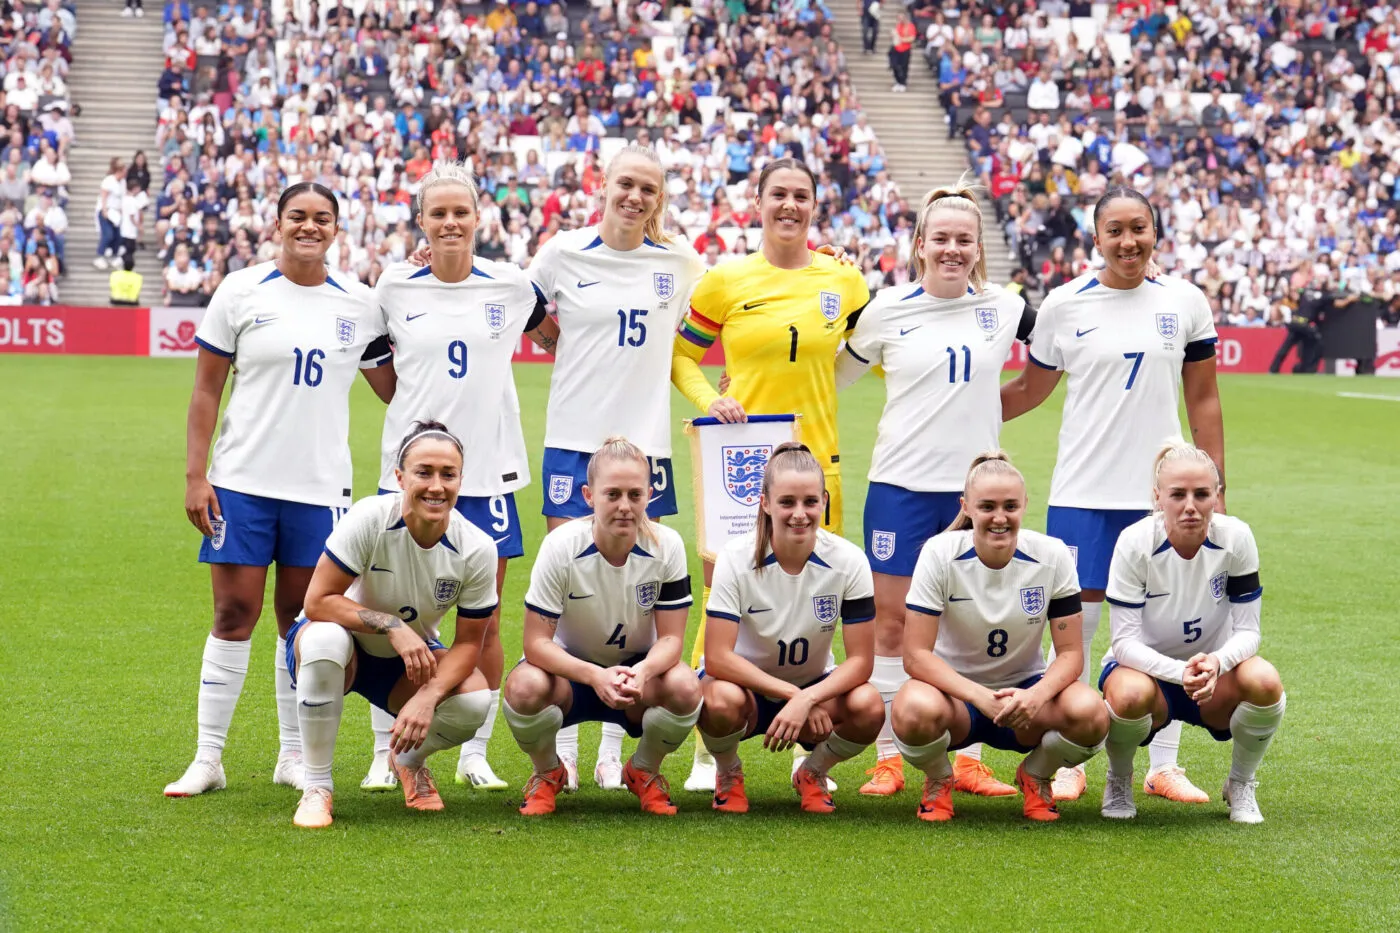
<point x="620" y="450"/>
<point x="1177" y="450"/>
<point x="655" y="227"/>
<point x="991" y="463"/>
<point x="960" y="197"/>
<point x="789" y="457"/>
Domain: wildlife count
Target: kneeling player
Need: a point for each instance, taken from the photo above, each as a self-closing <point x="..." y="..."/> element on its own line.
<point x="604" y="625"/>
<point x="1184" y="606"/>
<point x="979" y="601"/>
<point x="392" y="568"/>
<point x="774" y="604"/>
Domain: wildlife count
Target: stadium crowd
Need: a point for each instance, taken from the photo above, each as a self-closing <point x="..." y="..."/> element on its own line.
<point x="36" y="133"/>
<point x="1264" y="135"/>
<point x="256" y="96"/>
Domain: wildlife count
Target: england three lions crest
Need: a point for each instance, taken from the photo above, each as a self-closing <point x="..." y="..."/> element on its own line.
<point x="1217" y="585"/>
<point x="345" y="330"/>
<point x="495" y="318"/>
<point x="664" y="283"/>
<point x="220" y="533"/>
<point x="560" y="488"/>
<point x="826" y="608"/>
<point x="445" y="590"/>
<point x="831" y="305"/>
<point x="1033" y="600"/>
<point x="882" y="544"/>
<point x="1167" y="325"/>
<point x="646" y="594"/>
<point x="743" y="471"/>
<point x="987" y="319"/>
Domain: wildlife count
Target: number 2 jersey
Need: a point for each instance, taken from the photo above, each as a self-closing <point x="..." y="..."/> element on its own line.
<point x="601" y="613"/>
<point x="295" y="351"/>
<point x="1163" y="608"/>
<point x="991" y="621"/>
<point x="1123" y="351"/>
<point x="394" y="575"/>
<point x="618" y="313"/>
<point x="786" y="622"/>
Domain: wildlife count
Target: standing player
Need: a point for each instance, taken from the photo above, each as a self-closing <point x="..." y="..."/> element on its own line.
<point x="620" y="289"/>
<point x="1184" y="607"/>
<point x="780" y="314"/>
<point x="455" y="324"/>
<point x="941" y="342"/>
<point x="1128" y="343"/>
<point x="981" y="598"/>
<point x="604" y="627"/>
<point x="295" y="337"/>
<point x="776" y="600"/>
<point x="393" y="567"/>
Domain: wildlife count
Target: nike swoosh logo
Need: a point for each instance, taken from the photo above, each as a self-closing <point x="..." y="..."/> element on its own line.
<point x="1081" y="333"/>
<point x="215" y="683"/>
<point x="653" y="499"/>
<point x="1155" y="595"/>
<point x="960" y="599"/>
<point x="380" y="569"/>
<point x="753" y="611"/>
<point x="584" y="596"/>
<point x="414" y="317"/>
<point x="588" y="284"/>
<point x="904" y="332"/>
<point x="749" y="306"/>
<point x="501" y="540"/>
<point x="264" y="320"/>
<point x="721" y="801"/>
<point x="313" y="705"/>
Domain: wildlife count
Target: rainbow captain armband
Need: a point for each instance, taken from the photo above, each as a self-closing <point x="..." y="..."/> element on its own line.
<point x="699" y="329"/>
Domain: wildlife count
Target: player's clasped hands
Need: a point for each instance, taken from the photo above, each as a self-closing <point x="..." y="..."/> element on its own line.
<point x="619" y="687"/>
<point x="1200" y="676"/>
<point x="1019" y="707"/>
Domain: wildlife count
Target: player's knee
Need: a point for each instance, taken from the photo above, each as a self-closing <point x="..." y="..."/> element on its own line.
<point x="723" y="712"/>
<point x="325" y="641"/>
<point x="234" y="618"/>
<point x="1130" y="693"/>
<point x="1259" y="682"/>
<point x="681" y="689"/>
<point x="527" y="689"/>
<point x="919" y="713"/>
<point x="866" y="711"/>
<point x="1086" y="716"/>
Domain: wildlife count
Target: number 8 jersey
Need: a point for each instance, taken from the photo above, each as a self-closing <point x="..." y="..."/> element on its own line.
<point x="786" y="622"/>
<point x="991" y="621"/>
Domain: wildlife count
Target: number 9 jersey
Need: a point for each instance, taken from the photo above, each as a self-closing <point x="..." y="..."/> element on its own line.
<point x="787" y="623"/>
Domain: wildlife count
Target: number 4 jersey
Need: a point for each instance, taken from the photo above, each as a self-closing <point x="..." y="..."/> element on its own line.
<point x="786" y="622"/>
<point x="990" y="621"/>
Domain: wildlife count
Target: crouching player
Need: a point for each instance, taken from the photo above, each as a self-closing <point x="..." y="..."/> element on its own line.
<point x="774" y="603"/>
<point x="1184" y="606"/>
<point x="392" y="568"/>
<point x="981" y="596"/>
<point x="604" y="625"/>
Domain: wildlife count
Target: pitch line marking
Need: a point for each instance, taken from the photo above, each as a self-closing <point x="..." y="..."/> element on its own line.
<point x="1383" y="398"/>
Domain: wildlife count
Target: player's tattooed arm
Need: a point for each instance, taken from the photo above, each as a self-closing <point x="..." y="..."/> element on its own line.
<point x="546" y="335"/>
<point x="378" y="622"/>
<point x="1063" y="625"/>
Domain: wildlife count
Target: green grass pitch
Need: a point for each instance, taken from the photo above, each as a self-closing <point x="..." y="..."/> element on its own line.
<point x="105" y="610"/>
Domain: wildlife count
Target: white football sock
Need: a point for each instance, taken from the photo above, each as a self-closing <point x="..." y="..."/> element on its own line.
<point x="932" y="759"/>
<point x="221" y="676"/>
<point x="1055" y="752"/>
<point x="382" y="722"/>
<point x="477" y="744"/>
<point x="1162" y="751"/>
<point x="724" y="749"/>
<point x="455" y="721"/>
<point x="832" y="750"/>
<point x="610" y="745"/>
<point x="1124" y="737"/>
<point x="326" y="649"/>
<point x="536" y="734"/>
<point x="567" y="742"/>
<point x="1252" y="728"/>
<point x="288" y="732"/>
<point x="662" y="733"/>
<point x="973" y="751"/>
<point x="887" y="678"/>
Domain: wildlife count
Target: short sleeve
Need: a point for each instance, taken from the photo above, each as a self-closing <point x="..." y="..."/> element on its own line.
<point x="1127" y="581"/>
<point x="1202" y="321"/>
<point x="724" y="588"/>
<point x="1045" y="349"/>
<point x="1066" y="574"/>
<point x="858" y="596"/>
<point x="541" y="269"/>
<point x="478" y="599"/>
<point x="217" y="332"/>
<point x="926" y="589"/>
<point x="864" y="342"/>
<point x="1242" y="584"/>
<point x="675" y="580"/>
<point x="856" y="292"/>
<point x="351" y="542"/>
<point x="549" y="579"/>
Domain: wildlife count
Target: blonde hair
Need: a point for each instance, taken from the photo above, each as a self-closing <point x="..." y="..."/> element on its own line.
<point x="789" y="457"/>
<point x="448" y="173"/>
<point x="1177" y="450"/>
<point x="991" y="463"/>
<point x="619" y="449"/>
<point x="960" y="197"/>
<point x="654" y="228"/>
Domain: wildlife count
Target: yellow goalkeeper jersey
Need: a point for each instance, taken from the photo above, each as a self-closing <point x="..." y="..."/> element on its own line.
<point x="780" y="330"/>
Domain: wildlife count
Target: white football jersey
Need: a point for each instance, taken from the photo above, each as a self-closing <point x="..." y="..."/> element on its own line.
<point x="991" y="622"/>
<point x="605" y="614"/>
<point x="1177" y="607"/>
<point x="618" y="314"/>
<point x="394" y="575"/>
<point x="295" y="353"/>
<point x="453" y="344"/>
<point x="1122" y="350"/>
<point x="787" y="623"/>
<point x="942" y="360"/>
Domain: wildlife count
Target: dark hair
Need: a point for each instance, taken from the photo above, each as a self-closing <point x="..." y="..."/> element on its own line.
<point x="790" y="456"/>
<point x="1122" y="192"/>
<point x="777" y="165"/>
<point x="425" y="429"/>
<point x="302" y="187"/>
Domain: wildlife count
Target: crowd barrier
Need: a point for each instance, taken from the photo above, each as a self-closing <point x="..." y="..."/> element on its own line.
<point x="170" y="332"/>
